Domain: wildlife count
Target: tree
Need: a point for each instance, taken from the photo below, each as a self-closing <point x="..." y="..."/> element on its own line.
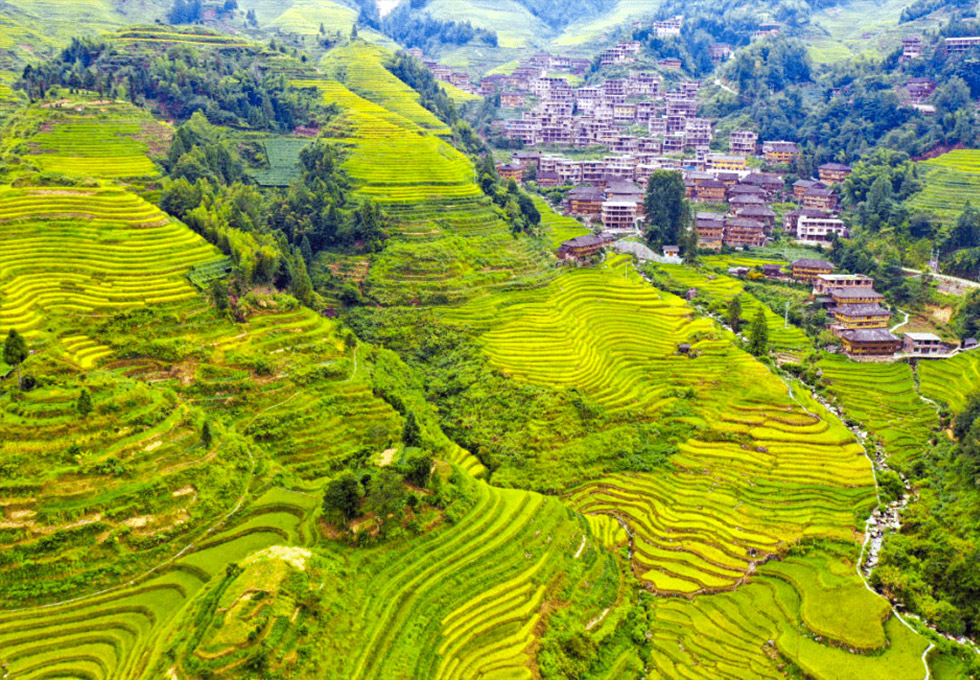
<point x="385" y="499"/>
<point x="759" y="334"/>
<point x="219" y="294"/>
<point x="734" y="313"/>
<point x="207" y="434"/>
<point x="666" y="209"/>
<point x="84" y="403"/>
<point x="689" y="244"/>
<point x="343" y="496"/>
<point x="412" y="432"/>
<point x="419" y="470"/>
<point x="302" y="286"/>
<point x="306" y="250"/>
<point x="15" y="352"/>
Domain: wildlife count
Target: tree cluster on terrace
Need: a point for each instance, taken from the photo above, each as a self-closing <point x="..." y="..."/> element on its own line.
<point x="271" y="235"/>
<point x="231" y="87"/>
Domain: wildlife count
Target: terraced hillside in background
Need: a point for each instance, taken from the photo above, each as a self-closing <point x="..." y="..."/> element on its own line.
<point x="84" y="137"/>
<point x="100" y="249"/>
<point x="451" y="243"/>
<point x="951" y="181"/>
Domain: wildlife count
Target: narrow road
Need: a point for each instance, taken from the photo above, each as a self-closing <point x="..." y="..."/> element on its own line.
<point x="945" y="278"/>
<point x="897" y="326"/>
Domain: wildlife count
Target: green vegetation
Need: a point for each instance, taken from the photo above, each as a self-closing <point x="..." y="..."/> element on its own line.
<point x="950" y="182"/>
<point x="355" y="420"/>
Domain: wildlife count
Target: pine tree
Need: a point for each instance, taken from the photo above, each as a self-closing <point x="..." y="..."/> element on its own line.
<point x="306" y="250"/>
<point x="735" y="313"/>
<point x="302" y="286"/>
<point x="759" y="335"/>
<point x="207" y="435"/>
<point x="84" y="403"/>
<point x="412" y="433"/>
<point x="15" y="352"/>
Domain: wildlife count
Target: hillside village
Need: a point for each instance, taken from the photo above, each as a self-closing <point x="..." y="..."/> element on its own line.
<point x="522" y="340"/>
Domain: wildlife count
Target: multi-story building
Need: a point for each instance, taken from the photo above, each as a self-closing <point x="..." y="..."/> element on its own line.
<point x="709" y="191"/>
<point x="911" y="47"/>
<point x="668" y="27"/>
<point x="870" y="342"/>
<point x="780" y="151"/>
<point x="920" y="89"/>
<point x="814" y="231"/>
<point x="831" y="173"/>
<point x="719" y="52"/>
<point x="619" y="217"/>
<point x="861" y="316"/>
<point x="961" y="44"/>
<point x="824" y="282"/>
<point x="744" y="233"/>
<point x="743" y="142"/>
<point x="725" y="163"/>
<point x="711" y="230"/>
<point x="924" y="344"/>
<point x="759" y="213"/>
<point x="808" y="269"/>
<point x="855" y="296"/>
<point x="586" y="201"/>
<point x="816" y="198"/>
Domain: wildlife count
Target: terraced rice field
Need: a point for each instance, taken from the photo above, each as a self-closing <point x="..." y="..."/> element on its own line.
<point x="99" y="250"/>
<point x="558" y="228"/>
<point x="809" y="611"/>
<point x="305" y="17"/>
<point x="951" y="181"/>
<point x="94" y="148"/>
<point x="767" y="470"/>
<point x="467" y="600"/>
<point x="360" y="67"/>
<point x="390" y="166"/>
<point x="719" y="287"/>
<point x="951" y="381"/>
<point x="163" y="36"/>
<point x="883" y="398"/>
<point x="120" y="633"/>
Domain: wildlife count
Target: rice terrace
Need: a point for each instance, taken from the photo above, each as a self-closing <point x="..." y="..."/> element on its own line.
<point x="500" y="340"/>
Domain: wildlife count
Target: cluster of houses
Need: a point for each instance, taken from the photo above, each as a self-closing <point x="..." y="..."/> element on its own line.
<point x="599" y="114"/>
<point x="858" y="317"/>
<point x="917" y="91"/>
<point x="815" y="222"/>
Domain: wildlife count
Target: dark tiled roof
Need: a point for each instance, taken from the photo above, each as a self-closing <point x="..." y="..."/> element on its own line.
<point x="856" y="293"/>
<point x="862" y="310"/>
<point x="868" y="335"/>
<point x="813" y="264"/>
